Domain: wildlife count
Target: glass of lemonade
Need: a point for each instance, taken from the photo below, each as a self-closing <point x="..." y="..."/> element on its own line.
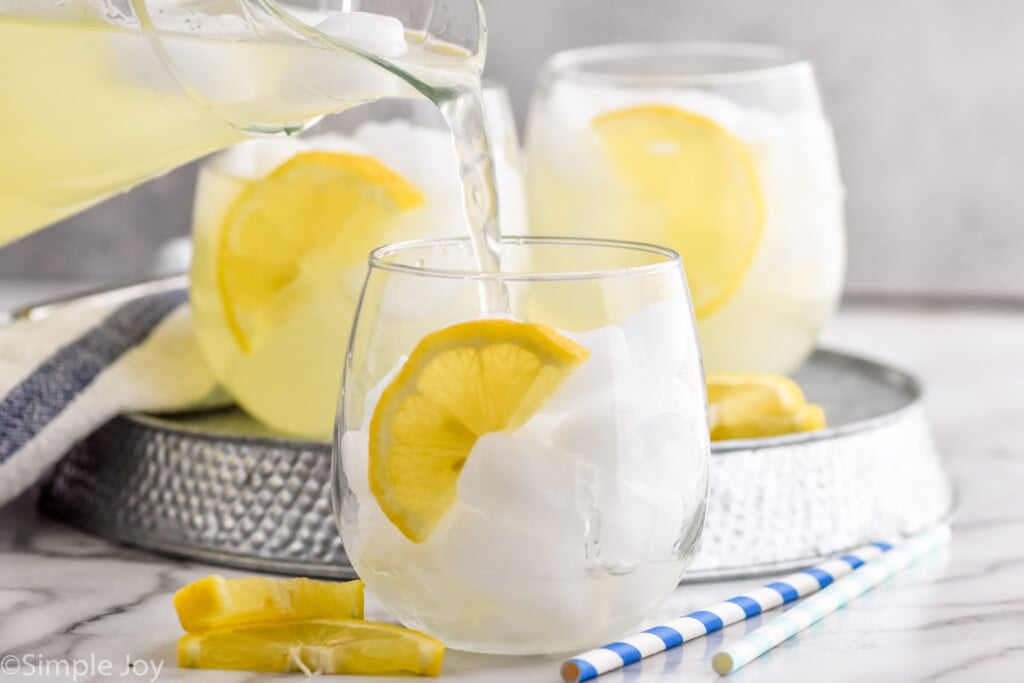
<point x="719" y="151"/>
<point x="282" y="229"/>
<point x="528" y="481"/>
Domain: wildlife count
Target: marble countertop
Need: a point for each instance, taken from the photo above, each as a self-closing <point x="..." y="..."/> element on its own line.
<point x="70" y="599"/>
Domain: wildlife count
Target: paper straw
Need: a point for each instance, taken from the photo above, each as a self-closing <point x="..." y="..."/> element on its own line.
<point x="615" y="655"/>
<point x="785" y="626"/>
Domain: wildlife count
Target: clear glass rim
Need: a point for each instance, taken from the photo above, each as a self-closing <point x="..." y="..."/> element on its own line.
<point x="670" y="259"/>
<point x="583" y="63"/>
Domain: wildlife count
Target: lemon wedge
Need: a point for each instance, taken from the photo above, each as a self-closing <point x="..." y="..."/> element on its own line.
<point x="215" y="602"/>
<point x="315" y="215"/>
<point x="754" y="405"/>
<point x="322" y="646"/>
<point x="704" y="183"/>
<point x="459" y="383"/>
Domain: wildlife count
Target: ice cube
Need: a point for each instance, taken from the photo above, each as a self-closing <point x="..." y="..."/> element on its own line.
<point x="667" y="440"/>
<point x="518" y="515"/>
<point x="502" y="547"/>
<point x="630" y="479"/>
<point x="637" y="524"/>
<point x="375" y="33"/>
<point x="593" y="436"/>
<point x="520" y="479"/>
<point x="593" y="383"/>
<point x="659" y="337"/>
<point x="506" y="574"/>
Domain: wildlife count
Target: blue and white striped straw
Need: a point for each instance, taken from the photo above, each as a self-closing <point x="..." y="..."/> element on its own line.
<point x="616" y="655"/>
<point x="785" y="626"/>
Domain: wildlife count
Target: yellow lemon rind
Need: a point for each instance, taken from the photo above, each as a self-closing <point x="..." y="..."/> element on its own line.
<point x="758" y="405"/>
<point x="318" y="646"/>
<point x="217" y="602"/>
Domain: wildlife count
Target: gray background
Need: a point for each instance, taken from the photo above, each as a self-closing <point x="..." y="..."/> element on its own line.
<point x="927" y="99"/>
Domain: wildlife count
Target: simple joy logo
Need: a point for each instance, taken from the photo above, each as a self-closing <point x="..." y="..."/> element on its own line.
<point x="38" y="666"/>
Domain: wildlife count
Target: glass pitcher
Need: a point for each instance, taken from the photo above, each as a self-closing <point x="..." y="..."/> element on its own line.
<point x="97" y="96"/>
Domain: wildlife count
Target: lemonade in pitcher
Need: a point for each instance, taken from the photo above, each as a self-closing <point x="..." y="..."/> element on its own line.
<point x="100" y="95"/>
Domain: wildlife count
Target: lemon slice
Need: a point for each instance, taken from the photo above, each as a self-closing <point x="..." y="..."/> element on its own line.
<point x="315" y="215"/>
<point x="323" y="646"/>
<point x="704" y="183"/>
<point x="458" y="384"/>
<point x="753" y="405"/>
<point x="807" y="418"/>
<point x="216" y="602"/>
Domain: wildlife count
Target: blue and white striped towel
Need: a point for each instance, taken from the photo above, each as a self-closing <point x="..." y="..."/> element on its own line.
<point x="66" y="374"/>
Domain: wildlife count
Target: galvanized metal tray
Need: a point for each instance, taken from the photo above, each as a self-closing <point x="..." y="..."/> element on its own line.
<point x="218" y="487"/>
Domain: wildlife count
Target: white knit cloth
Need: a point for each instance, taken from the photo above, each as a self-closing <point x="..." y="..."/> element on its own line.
<point x="63" y="376"/>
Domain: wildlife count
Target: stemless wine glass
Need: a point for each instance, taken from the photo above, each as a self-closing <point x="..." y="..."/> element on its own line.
<point x="532" y="481"/>
<point x="282" y="229"/>
<point x="720" y="151"/>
